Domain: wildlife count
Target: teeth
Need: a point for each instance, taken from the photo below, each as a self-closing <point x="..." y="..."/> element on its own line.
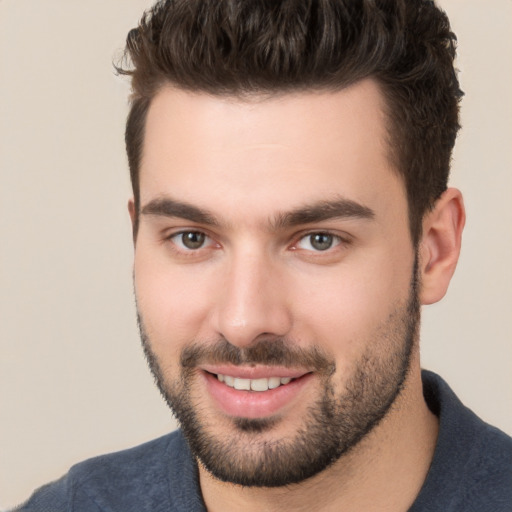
<point x="253" y="384"/>
<point x="274" y="382"/>
<point x="259" y="384"/>
<point x="243" y="384"/>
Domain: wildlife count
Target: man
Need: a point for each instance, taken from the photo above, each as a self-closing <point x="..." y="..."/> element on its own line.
<point x="289" y="163"/>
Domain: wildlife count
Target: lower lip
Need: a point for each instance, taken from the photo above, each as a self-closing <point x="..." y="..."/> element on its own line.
<point x="254" y="404"/>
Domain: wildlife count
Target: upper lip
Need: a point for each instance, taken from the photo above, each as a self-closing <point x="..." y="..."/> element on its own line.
<point x="254" y="372"/>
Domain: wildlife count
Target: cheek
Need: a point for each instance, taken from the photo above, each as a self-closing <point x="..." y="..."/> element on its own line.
<point x="170" y="301"/>
<point x="344" y="311"/>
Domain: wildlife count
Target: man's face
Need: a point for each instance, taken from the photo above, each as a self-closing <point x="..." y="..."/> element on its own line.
<point x="274" y="276"/>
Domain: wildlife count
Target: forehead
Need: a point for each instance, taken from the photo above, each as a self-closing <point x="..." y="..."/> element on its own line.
<point x="279" y="150"/>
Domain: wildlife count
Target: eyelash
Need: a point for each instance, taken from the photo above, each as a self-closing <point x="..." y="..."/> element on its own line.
<point x="187" y="250"/>
<point x="337" y="241"/>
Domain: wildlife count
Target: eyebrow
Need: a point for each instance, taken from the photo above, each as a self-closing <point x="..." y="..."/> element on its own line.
<point x="321" y="211"/>
<point x="307" y="214"/>
<point x="167" y="207"/>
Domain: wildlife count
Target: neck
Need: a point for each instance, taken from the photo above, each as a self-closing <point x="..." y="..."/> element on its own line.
<point x="387" y="467"/>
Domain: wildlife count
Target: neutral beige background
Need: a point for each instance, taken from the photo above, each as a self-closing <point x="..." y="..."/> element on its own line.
<point x="73" y="382"/>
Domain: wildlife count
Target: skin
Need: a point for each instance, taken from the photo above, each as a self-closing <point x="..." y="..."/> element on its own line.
<point x="248" y="162"/>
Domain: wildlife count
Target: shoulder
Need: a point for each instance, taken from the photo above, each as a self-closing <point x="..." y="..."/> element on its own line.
<point x="461" y="429"/>
<point x="472" y="465"/>
<point x="137" y="479"/>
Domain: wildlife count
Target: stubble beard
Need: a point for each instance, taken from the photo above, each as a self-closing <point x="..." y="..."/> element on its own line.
<point x="332" y="426"/>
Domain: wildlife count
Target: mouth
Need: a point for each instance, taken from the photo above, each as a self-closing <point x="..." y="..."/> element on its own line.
<point x="254" y="392"/>
<point x="260" y="385"/>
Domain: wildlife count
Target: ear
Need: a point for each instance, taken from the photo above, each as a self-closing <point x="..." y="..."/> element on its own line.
<point x="133" y="217"/>
<point x="439" y="248"/>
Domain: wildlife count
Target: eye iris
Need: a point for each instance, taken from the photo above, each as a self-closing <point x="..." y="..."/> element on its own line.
<point x="321" y="241"/>
<point x="193" y="239"/>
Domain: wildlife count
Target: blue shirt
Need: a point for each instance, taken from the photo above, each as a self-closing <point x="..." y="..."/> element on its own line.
<point x="471" y="471"/>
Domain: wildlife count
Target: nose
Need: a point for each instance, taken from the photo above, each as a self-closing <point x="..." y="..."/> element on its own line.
<point x="252" y="302"/>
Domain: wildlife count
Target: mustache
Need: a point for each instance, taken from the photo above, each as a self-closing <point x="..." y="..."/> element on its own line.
<point x="268" y="352"/>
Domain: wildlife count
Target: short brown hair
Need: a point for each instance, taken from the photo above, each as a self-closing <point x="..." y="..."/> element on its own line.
<point x="237" y="47"/>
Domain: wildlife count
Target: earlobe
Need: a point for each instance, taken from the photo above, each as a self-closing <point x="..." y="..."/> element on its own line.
<point x="440" y="245"/>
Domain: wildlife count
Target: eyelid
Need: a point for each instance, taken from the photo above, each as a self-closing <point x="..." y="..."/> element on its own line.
<point x="307" y="239"/>
<point x="169" y="233"/>
<point x="169" y="237"/>
<point x="343" y="239"/>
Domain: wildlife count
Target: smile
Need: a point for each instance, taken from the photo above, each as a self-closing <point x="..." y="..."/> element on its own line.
<point x="263" y="384"/>
<point x="254" y="392"/>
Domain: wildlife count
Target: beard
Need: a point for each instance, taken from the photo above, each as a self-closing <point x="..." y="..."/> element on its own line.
<point x="334" y="424"/>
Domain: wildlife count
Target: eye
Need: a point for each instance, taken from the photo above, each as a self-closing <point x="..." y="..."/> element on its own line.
<point x="190" y="240"/>
<point x="318" y="242"/>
